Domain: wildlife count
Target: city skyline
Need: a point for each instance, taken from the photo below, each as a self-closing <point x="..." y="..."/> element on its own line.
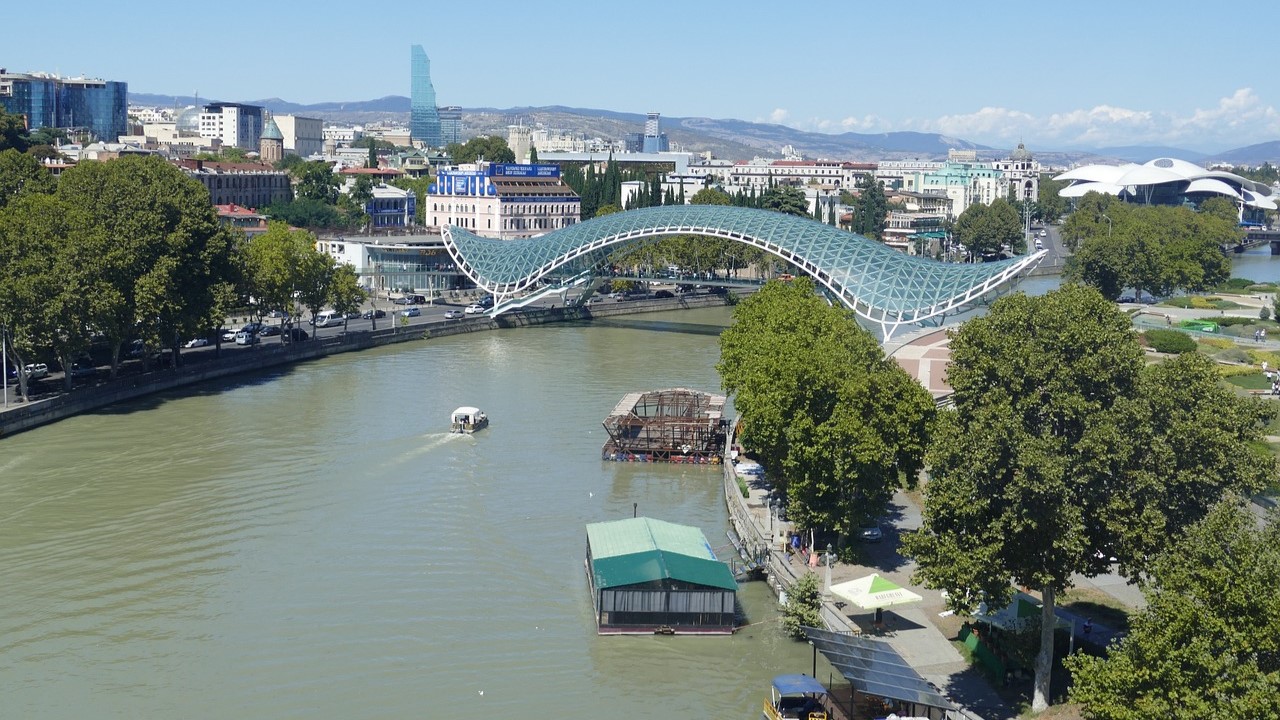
<point x="1090" y="76"/>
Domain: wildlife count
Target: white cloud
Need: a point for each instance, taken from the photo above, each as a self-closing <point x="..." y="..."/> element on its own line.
<point x="779" y="115"/>
<point x="1239" y="119"/>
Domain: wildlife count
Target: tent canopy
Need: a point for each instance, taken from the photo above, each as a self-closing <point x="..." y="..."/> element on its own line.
<point x="797" y="685"/>
<point x="872" y="592"/>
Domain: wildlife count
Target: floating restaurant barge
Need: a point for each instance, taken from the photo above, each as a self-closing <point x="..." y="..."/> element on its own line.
<point x="653" y="577"/>
<point x="675" y="425"/>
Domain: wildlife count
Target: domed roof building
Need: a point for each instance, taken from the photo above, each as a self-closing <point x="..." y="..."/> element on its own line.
<point x="1022" y="171"/>
<point x="1169" y="181"/>
<point x="271" y="143"/>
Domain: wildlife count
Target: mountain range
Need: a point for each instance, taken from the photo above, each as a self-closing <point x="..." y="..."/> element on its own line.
<point x="726" y="138"/>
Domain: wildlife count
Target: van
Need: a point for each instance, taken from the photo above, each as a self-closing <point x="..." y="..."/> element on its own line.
<point x="329" y="318"/>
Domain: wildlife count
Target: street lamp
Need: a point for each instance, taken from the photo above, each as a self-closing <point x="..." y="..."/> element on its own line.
<point x="1104" y="217"/>
<point x="828" y="567"/>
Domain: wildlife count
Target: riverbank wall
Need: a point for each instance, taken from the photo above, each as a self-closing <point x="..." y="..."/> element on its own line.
<point x="25" y="416"/>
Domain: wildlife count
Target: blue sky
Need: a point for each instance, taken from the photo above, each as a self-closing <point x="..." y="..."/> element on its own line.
<point x="1057" y="75"/>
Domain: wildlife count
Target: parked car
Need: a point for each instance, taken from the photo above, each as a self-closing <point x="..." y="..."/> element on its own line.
<point x="486" y="302"/>
<point x="247" y="338"/>
<point x="371" y="314"/>
<point x="83" y="369"/>
<point x="870" y="532"/>
<point x="269" y="331"/>
<point x="664" y="294"/>
<point x="298" y="335"/>
<point x="353" y="316"/>
<point x="411" y="312"/>
<point x="198" y="342"/>
<point x="402" y="301"/>
<point x="228" y="335"/>
<point x="474" y="309"/>
<point x="36" y="371"/>
<point x="453" y="315"/>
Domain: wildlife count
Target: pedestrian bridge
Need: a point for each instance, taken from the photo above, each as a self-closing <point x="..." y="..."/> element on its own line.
<point x="885" y="287"/>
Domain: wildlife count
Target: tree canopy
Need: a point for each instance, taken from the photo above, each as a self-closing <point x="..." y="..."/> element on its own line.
<point x="838" y="425"/>
<point x="1208" y="642"/>
<point x="20" y="174"/>
<point x="491" y="148"/>
<point x="986" y="229"/>
<point x="1156" y="249"/>
<point x="785" y="199"/>
<point x="1063" y="447"/>
<point x="870" y="208"/>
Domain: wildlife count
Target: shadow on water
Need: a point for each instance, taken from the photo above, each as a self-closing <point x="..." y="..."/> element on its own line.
<point x="661" y="326"/>
<point x="216" y="386"/>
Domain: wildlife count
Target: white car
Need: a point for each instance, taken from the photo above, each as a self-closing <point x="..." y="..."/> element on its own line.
<point x="36" y="371"/>
<point x="474" y="309"/>
<point x="198" y="342"/>
<point x="453" y="315"/>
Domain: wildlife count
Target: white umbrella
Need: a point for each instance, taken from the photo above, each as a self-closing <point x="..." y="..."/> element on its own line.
<point x="874" y="593"/>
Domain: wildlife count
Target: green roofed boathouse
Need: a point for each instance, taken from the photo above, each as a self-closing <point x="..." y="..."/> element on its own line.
<point x="649" y="576"/>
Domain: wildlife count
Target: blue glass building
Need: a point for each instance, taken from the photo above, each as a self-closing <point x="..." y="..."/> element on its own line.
<point x="99" y="106"/>
<point x="424" y="118"/>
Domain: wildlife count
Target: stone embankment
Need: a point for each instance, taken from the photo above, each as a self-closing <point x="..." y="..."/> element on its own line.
<point x="24" y="416"/>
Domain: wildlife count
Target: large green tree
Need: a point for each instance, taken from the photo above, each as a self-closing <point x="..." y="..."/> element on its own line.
<point x="870" y="208"/>
<point x="837" y="423"/>
<point x="491" y="148"/>
<point x="1208" y="643"/>
<point x="987" y="229"/>
<point x="314" y="180"/>
<point x="1064" y="448"/>
<point x="785" y="199"/>
<point x="13" y="132"/>
<point x="21" y="173"/>
<point x="1049" y="204"/>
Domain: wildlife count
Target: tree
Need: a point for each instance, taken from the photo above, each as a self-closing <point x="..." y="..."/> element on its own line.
<point x="870" y="208"/>
<point x="314" y="180"/>
<point x="13" y="130"/>
<point x="533" y="155"/>
<point x="785" y="199"/>
<point x="804" y="606"/>
<point x="986" y="229"/>
<point x="1062" y="446"/>
<point x="493" y="149"/>
<point x="1220" y="207"/>
<point x="838" y="424"/>
<point x="345" y="293"/>
<point x="372" y="161"/>
<point x="710" y="196"/>
<point x="20" y="174"/>
<point x="1206" y="644"/>
<point x="306" y="213"/>
<point x="284" y="264"/>
<point x="147" y="249"/>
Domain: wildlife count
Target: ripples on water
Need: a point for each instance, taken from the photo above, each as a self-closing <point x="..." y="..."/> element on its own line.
<point x="312" y="543"/>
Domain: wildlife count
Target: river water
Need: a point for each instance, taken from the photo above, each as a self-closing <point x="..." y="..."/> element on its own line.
<point x="313" y="543"/>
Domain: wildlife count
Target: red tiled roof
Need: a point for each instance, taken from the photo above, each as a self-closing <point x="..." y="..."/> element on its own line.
<point x="370" y="171"/>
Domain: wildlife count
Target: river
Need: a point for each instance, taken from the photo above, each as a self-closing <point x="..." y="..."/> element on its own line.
<point x="312" y="543"/>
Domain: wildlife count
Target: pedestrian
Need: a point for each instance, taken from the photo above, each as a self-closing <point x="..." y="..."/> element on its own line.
<point x="1088" y="626"/>
<point x="795" y="543"/>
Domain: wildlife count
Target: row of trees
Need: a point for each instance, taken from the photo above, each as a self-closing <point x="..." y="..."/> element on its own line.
<point x="1151" y="248"/>
<point x="1063" y="449"/>
<point x="985" y="230"/>
<point x="317" y="201"/>
<point x="132" y="249"/>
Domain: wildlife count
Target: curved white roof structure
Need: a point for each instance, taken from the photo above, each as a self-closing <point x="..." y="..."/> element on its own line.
<point x="1166" y="180"/>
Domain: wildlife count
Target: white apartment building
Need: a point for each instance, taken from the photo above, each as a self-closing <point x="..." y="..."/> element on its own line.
<point x="902" y="174"/>
<point x="233" y="124"/>
<point x="303" y="136"/>
<point x="502" y="201"/>
<point x="342" y="134"/>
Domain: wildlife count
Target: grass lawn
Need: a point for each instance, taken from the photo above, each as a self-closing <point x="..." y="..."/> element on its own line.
<point x="1252" y="381"/>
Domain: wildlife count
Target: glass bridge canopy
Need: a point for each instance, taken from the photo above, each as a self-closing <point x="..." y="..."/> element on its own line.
<point x="879" y="283"/>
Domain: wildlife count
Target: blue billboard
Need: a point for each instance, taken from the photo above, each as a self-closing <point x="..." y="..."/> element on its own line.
<point x="509" y="170"/>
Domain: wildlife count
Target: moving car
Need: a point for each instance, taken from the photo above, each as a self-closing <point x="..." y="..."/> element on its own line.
<point x="247" y="337"/>
<point x="83" y="369"/>
<point x="298" y="335"/>
<point x="371" y="314"/>
<point x="269" y="331"/>
<point x="411" y="312"/>
<point x="474" y="309"/>
<point x="453" y="315"/>
<point x="198" y="342"/>
<point x="228" y="335"/>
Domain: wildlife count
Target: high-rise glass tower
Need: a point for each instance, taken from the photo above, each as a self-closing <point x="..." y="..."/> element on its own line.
<point x="424" y="119"/>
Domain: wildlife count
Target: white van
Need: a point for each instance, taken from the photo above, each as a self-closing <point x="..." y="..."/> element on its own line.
<point x="328" y="318"/>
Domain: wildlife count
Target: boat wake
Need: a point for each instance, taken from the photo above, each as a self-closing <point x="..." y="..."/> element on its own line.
<point x="425" y="444"/>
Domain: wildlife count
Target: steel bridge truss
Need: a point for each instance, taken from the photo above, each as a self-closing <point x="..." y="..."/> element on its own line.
<point x="883" y="286"/>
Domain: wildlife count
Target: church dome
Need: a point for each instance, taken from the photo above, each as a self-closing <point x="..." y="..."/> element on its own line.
<point x="1021" y="153"/>
<point x="272" y="131"/>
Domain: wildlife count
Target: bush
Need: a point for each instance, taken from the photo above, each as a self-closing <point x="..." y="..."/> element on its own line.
<point x="1169" y="341"/>
<point x="1228" y="371"/>
<point x="1265" y="313"/>
<point x="803" y="608"/>
<point x="742" y="486"/>
<point x="1232" y="355"/>
<point x="1229" y="320"/>
<point x="1217" y="343"/>
<point x="1236" y="283"/>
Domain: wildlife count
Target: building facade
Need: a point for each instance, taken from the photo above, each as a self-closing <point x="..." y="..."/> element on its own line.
<point x="233" y="124"/>
<point x="100" y="107"/>
<point x="1023" y="172"/>
<point x="391" y="207"/>
<point x="450" y="124"/>
<point x="248" y="185"/>
<point x="503" y="201"/>
<point x="303" y="136"/>
<point x="424" y="119"/>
